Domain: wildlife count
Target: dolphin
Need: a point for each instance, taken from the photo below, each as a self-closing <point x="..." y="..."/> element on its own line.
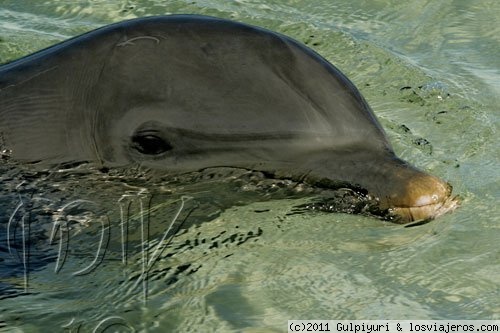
<point x="186" y="92"/>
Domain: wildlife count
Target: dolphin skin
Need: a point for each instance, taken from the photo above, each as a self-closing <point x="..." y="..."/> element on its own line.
<point x="186" y="92"/>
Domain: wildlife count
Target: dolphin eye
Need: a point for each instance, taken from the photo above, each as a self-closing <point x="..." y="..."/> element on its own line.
<point x="150" y="144"/>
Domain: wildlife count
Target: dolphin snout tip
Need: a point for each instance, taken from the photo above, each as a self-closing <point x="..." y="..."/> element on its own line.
<point x="427" y="198"/>
<point x="431" y="191"/>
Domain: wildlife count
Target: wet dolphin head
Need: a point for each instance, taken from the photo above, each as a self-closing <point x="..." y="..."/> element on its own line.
<point x="182" y="93"/>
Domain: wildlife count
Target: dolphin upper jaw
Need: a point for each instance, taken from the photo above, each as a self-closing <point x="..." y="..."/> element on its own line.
<point x="405" y="192"/>
<point x="425" y="197"/>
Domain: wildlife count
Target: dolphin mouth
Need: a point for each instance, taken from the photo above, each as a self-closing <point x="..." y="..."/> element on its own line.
<point x="417" y="215"/>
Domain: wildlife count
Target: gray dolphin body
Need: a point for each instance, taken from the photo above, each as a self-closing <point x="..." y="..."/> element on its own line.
<point x="187" y="92"/>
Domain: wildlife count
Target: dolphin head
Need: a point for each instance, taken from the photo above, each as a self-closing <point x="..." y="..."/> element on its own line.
<point x="183" y="93"/>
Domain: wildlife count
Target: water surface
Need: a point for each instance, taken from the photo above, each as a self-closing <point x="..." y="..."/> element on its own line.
<point x="245" y="260"/>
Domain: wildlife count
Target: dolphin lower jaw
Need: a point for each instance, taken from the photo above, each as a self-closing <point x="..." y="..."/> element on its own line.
<point x="426" y="212"/>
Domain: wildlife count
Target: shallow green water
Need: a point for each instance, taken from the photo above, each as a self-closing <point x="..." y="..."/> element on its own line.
<point x="260" y="265"/>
